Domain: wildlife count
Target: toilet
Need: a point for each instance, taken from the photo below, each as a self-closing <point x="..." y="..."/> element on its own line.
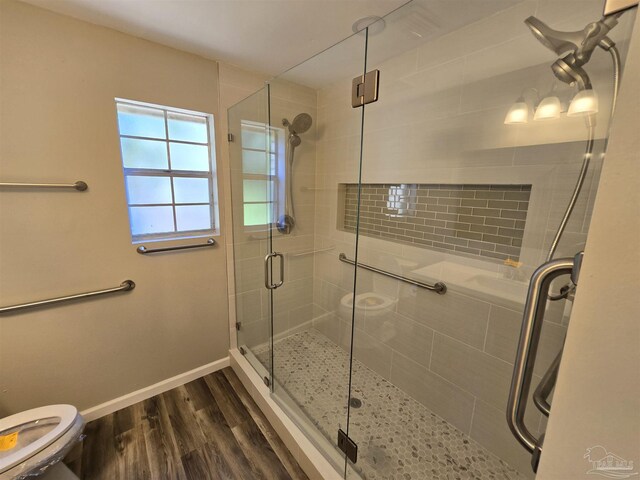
<point x="375" y="303"/>
<point x="33" y="443"/>
<point x="371" y="304"/>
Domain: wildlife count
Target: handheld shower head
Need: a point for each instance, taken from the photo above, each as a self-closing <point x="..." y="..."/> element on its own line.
<point x="300" y="124"/>
<point x="294" y="140"/>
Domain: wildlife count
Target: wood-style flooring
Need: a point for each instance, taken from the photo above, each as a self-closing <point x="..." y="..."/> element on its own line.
<point x="207" y="429"/>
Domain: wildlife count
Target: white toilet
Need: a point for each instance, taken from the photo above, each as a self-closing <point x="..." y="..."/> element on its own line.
<point x="375" y="303"/>
<point x="371" y="304"/>
<point x="33" y="443"/>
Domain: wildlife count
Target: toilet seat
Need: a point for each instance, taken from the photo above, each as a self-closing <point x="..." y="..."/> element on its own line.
<point x="66" y="417"/>
<point x="368" y="301"/>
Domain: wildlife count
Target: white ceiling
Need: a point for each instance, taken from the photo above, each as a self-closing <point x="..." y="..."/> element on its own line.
<point x="267" y="36"/>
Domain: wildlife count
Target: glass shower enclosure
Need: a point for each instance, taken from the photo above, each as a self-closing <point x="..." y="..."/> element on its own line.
<point x="382" y="252"/>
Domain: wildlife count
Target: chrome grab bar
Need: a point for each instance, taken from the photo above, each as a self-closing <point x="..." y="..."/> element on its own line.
<point x="79" y="185"/>
<point x="124" y="287"/>
<point x="267" y="261"/>
<point x="144" y="250"/>
<point x="438" y="287"/>
<point x="541" y="394"/>
<point x="533" y="315"/>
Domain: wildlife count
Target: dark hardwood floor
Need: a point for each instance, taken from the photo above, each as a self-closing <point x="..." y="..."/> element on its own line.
<point x="207" y="429"/>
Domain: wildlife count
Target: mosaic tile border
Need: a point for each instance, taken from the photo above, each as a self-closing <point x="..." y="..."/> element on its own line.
<point x="481" y="220"/>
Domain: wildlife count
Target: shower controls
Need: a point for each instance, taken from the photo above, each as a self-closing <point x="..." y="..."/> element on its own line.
<point x="285" y="224"/>
<point x="364" y="88"/>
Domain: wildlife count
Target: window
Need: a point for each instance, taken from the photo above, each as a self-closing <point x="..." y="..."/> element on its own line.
<point x="261" y="161"/>
<point x="167" y="156"/>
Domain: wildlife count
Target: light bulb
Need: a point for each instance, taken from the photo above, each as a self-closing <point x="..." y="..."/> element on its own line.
<point x="518" y="113"/>
<point x="548" y="109"/>
<point x="584" y="103"/>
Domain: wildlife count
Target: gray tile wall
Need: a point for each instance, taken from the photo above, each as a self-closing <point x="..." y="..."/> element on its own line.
<point x="481" y="220"/>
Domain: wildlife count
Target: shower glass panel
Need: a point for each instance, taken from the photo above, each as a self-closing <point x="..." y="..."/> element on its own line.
<point x="253" y="174"/>
<point x="312" y="309"/>
<point x="284" y="203"/>
<point x="459" y="175"/>
<point x="450" y="193"/>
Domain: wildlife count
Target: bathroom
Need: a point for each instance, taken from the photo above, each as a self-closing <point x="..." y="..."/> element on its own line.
<point x="340" y="281"/>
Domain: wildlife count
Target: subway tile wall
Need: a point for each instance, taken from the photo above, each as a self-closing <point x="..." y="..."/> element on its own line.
<point x="482" y="220"/>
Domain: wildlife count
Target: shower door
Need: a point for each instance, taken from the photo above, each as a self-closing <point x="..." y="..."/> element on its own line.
<point x="450" y="193"/>
<point x="252" y="174"/>
<point x="312" y="309"/>
<point x="293" y="299"/>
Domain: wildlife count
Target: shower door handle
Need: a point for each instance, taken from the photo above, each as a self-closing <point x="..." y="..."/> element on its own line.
<point x="533" y="316"/>
<point x="268" y="260"/>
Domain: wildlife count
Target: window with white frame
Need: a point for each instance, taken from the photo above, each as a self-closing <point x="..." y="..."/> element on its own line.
<point x="262" y="159"/>
<point x="168" y="158"/>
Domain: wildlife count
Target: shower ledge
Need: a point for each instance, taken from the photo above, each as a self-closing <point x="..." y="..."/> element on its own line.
<point x="476" y="282"/>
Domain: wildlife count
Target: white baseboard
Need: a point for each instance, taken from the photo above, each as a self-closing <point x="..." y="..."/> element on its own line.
<point x="165" y="385"/>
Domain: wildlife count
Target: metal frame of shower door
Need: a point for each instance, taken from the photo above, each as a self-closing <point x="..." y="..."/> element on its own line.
<point x="273" y="194"/>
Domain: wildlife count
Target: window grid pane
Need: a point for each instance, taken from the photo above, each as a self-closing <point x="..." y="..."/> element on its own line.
<point x="260" y="152"/>
<point x="159" y="200"/>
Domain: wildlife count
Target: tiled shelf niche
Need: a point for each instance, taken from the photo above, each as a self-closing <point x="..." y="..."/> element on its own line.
<point x="482" y="220"/>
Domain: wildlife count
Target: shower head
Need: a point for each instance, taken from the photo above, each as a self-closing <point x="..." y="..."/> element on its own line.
<point x="301" y="123"/>
<point x="555" y="40"/>
<point x="580" y="44"/>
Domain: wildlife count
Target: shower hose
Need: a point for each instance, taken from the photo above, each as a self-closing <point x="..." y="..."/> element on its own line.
<point x="591" y="126"/>
<point x="615" y="56"/>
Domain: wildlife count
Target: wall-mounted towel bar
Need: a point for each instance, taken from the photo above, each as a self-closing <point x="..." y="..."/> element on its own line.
<point x="256" y="237"/>
<point x="124" y="287"/>
<point x="144" y="250"/>
<point x="312" y="252"/>
<point x="79" y="185"/>
<point x="438" y="287"/>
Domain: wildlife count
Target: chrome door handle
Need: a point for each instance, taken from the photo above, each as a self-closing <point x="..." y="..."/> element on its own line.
<point x="279" y="255"/>
<point x="267" y="262"/>
<point x="541" y="394"/>
<point x="533" y="315"/>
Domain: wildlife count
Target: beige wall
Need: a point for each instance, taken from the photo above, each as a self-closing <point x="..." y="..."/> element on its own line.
<point x="597" y="399"/>
<point x="58" y="124"/>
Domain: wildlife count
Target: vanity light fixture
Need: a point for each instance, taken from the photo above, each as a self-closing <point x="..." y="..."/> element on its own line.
<point x="549" y="108"/>
<point x="518" y="113"/>
<point x="584" y="103"/>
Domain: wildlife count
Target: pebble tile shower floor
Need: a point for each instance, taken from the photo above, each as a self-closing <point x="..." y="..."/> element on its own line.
<point x="398" y="438"/>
